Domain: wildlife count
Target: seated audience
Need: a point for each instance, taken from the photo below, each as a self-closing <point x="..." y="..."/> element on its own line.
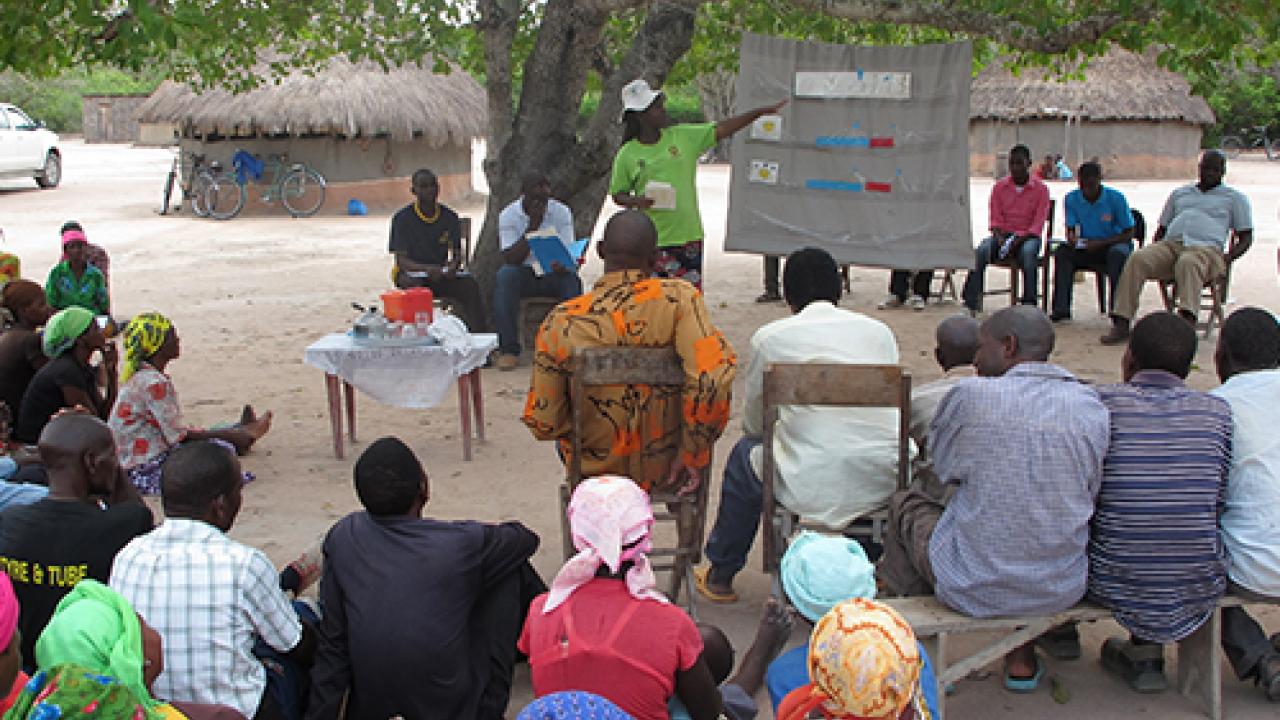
<point x="920" y="282"/>
<point x="572" y="705"/>
<point x="20" y="352"/>
<point x="211" y="597"/>
<point x="819" y="572"/>
<point x="12" y="678"/>
<point x="864" y="663"/>
<point x="71" y="338"/>
<point x="70" y="691"/>
<point x="1100" y="231"/>
<point x="956" y="345"/>
<point x="604" y="627"/>
<point x="421" y="615"/>
<point x="1016" y="216"/>
<point x="426" y="239"/>
<point x="998" y="438"/>
<point x="1248" y="363"/>
<point x="96" y="254"/>
<point x="1188" y="246"/>
<point x="147" y="419"/>
<point x="834" y="464"/>
<point x="91" y="512"/>
<point x="74" y="281"/>
<point x="1155" y="555"/>
<point x="535" y="212"/>
<point x="655" y="438"/>
<point x="97" y="630"/>
<point x="737" y="693"/>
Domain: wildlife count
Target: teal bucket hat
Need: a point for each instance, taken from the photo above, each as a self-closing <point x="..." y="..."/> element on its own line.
<point x="819" y="571"/>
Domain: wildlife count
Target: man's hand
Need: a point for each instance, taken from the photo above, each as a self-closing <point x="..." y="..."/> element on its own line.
<point x="1094" y="246"/>
<point x="558" y="268"/>
<point x="693" y="474"/>
<point x="110" y="357"/>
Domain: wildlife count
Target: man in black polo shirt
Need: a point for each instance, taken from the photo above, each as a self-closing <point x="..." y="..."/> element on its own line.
<point x="426" y="238"/>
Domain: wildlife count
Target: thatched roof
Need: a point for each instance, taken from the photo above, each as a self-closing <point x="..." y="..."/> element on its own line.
<point x="343" y="98"/>
<point x="1118" y="86"/>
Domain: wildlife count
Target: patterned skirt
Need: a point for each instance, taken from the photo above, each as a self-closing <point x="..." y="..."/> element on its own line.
<point x="146" y="477"/>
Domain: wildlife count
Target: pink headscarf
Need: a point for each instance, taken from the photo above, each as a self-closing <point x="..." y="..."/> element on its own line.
<point x="8" y="612"/>
<point x="74" y="235"/>
<point x="606" y="514"/>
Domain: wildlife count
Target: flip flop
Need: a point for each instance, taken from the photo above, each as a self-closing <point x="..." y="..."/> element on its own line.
<point x="1024" y="685"/>
<point x="700" y="582"/>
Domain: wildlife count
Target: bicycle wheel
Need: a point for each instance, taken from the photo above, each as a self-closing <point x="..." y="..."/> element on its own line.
<point x="196" y="193"/>
<point x="302" y="191"/>
<point x="1232" y="146"/>
<point x="225" y="197"/>
<point x="1273" y="150"/>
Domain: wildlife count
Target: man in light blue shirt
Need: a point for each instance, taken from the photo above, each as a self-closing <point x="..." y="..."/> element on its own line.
<point x="533" y="213"/>
<point x="1099" y="236"/>
<point x="1248" y="363"/>
<point x="1188" y="247"/>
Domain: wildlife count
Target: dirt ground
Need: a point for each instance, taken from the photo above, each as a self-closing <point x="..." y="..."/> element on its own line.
<point x="250" y="294"/>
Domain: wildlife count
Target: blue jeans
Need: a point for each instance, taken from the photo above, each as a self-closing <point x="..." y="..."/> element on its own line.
<point x="1067" y="259"/>
<point x="741" y="503"/>
<point x="288" y="683"/>
<point x="518" y="281"/>
<point x="1028" y="259"/>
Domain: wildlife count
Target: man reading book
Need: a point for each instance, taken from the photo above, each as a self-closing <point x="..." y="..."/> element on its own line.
<point x="533" y="215"/>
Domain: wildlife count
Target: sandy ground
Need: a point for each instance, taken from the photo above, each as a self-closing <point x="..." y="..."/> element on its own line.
<point x="248" y="295"/>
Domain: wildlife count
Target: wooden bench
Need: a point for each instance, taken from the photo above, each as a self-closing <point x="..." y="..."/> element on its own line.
<point x="1199" y="657"/>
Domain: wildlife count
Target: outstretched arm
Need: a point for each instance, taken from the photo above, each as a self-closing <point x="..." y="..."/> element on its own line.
<point x="729" y="126"/>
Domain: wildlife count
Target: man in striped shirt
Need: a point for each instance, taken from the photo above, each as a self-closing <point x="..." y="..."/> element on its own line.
<point x="1155" y="554"/>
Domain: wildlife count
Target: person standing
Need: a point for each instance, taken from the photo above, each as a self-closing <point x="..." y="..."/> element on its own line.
<point x="1017" y="212"/>
<point x="535" y="212"/>
<point x="426" y="239"/>
<point x="655" y="171"/>
<point x="1100" y="231"/>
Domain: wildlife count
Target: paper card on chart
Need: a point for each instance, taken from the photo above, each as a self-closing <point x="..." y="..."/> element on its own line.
<point x="764" y="172"/>
<point x="662" y="194"/>
<point x="856" y="84"/>
<point x="767" y="127"/>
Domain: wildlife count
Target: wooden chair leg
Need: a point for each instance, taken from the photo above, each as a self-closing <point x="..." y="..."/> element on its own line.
<point x="566" y="538"/>
<point x="1014" y="277"/>
<point x="1200" y="665"/>
<point x="936" y="647"/>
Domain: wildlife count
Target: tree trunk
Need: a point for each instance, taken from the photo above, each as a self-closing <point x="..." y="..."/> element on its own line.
<point x="542" y="134"/>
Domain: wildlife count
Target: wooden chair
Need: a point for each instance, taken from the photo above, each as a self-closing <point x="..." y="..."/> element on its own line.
<point x="832" y="385"/>
<point x="1214" y="293"/>
<point x="687" y="513"/>
<point x="1015" y="270"/>
<point x="1099" y="271"/>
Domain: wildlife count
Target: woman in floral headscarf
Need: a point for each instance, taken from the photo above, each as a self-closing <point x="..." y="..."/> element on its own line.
<point x="604" y="628"/>
<point x="864" y="664"/>
<point x="147" y="419"/>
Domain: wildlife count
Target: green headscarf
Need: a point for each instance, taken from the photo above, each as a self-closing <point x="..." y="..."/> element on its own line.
<point x="64" y="328"/>
<point x="70" y="692"/>
<point x="97" y="629"/>
<point x="143" y="337"/>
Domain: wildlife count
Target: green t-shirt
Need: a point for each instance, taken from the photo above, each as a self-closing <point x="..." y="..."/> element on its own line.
<point x="63" y="289"/>
<point x="673" y="160"/>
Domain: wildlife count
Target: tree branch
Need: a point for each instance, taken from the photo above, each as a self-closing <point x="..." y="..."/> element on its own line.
<point x="1013" y="33"/>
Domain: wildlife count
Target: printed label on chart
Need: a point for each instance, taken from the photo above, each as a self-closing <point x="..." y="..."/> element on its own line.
<point x="764" y="172"/>
<point x="767" y="127"/>
<point x="857" y="84"/>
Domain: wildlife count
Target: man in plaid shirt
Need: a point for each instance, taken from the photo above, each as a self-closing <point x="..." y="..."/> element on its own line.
<point x="210" y="597"/>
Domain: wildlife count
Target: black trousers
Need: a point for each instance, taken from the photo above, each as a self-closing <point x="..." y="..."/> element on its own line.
<point x="921" y="285"/>
<point x="463" y="288"/>
<point x="1243" y="640"/>
<point x="772" y="266"/>
<point x="496" y="628"/>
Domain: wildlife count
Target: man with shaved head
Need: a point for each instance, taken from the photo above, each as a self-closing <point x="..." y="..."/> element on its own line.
<point x="534" y="213"/>
<point x="92" y="511"/>
<point x="1024" y="445"/>
<point x="956" y="345"/>
<point x="659" y="439"/>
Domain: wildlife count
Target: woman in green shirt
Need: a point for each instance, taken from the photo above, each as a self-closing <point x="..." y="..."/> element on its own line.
<point x="74" y="281"/>
<point x="656" y="168"/>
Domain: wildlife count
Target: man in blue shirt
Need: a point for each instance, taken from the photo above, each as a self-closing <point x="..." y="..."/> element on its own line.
<point x="1099" y="235"/>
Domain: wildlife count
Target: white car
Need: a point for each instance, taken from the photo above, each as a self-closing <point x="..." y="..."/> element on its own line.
<point x="27" y="149"/>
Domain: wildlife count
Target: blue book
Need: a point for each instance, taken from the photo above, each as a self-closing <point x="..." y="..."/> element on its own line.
<point x="547" y="249"/>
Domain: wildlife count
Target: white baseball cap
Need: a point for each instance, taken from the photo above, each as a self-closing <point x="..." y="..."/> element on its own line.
<point x="637" y="96"/>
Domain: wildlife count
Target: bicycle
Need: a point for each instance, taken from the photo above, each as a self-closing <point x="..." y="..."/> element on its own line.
<point x="1233" y="145"/>
<point x="299" y="188"/>
<point x="195" y="184"/>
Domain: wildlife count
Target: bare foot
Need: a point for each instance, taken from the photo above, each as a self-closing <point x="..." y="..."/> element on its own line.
<point x="775" y="627"/>
<point x="247" y="415"/>
<point x="1021" y="663"/>
<point x="258" y="426"/>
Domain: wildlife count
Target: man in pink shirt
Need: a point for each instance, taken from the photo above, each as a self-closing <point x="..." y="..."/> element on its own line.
<point x="1018" y="209"/>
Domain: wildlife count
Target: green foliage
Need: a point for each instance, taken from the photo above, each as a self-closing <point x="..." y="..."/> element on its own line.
<point x="56" y="100"/>
<point x="682" y="102"/>
<point x="1243" y="100"/>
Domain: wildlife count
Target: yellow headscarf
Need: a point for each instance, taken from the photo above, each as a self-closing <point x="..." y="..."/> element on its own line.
<point x="864" y="662"/>
<point x="143" y="336"/>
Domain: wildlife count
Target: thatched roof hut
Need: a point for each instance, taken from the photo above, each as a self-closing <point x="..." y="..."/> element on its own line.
<point x="365" y="129"/>
<point x="345" y="99"/>
<point x="1138" y="118"/>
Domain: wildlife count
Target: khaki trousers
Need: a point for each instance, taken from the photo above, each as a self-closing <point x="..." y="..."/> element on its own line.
<point x="904" y="568"/>
<point x="1188" y="268"/>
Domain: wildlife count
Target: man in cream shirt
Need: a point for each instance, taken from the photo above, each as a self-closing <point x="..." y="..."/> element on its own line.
<point x="835" y="464"/>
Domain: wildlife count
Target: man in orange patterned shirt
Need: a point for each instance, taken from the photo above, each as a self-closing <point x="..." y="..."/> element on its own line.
<point x="652" y="434"/>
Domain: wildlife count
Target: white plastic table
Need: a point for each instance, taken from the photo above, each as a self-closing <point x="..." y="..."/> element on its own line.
<point x="416" y="376"/>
